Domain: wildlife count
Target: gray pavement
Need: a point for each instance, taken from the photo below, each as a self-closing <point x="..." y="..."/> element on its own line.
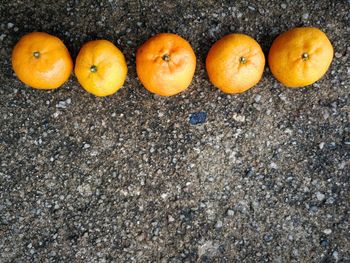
<point x="200" y="177"/>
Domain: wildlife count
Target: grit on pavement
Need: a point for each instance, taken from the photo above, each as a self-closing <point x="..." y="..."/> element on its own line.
<point x="199" y="177"/>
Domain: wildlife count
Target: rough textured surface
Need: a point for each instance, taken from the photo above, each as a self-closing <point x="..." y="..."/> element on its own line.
<point x="258" y="177"/>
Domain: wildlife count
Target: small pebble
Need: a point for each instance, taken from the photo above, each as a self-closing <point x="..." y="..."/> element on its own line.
<point x="305" y="16"/>
<point x="10" y="25"/>
<point x="86" y="146"/>
<point x="330" y="200"/>
<point x="63" y="104"/>
<point x="230" y="212"/>
<point x="320" y="196"/>
<point x="238" y="117"/>
<point x="251" y="8"/>
<point x="324" y="243"/>
<point x="250" y="173"/>
<point x="268" y="238"/>
<point x="327" y="231"/>
<point x="313" y="209"/>
<point x="338" y="55"/>
<point x="257" y="98"/>
<point x="218" y="224"/>
<point x="171" y="219"/>
<point x="335" y="255"/>
<point x="273" y="165"/>
<point x="284" y="6"/>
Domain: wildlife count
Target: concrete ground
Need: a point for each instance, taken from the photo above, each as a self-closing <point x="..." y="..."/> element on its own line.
<point x="200" y="177"/>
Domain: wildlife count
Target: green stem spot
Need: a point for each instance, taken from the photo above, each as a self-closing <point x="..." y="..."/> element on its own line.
<point x="93" y="69"/>
<point x="305" y="56"/>
<point x="242" y="60"/>
<point x="166" y="57"/>
<point x="36" y="54"/>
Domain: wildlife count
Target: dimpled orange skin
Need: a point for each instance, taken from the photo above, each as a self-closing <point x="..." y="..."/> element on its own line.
<point x="110" y="68"/>
<point x="286" y="56"/>
<point x="235" y="63"/>
<point x="51" y="66"/>
<point x="162" y="77"/>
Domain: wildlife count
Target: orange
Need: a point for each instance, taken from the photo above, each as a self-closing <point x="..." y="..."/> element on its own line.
<point x="300" y="56"/>
<point x="165" y="64"/>
<point x="100" y="67"/>
<point x="235" y="63"/>
<point x="41" y="61"/>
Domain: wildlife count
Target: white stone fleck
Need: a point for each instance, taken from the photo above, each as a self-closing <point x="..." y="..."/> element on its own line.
<point x="63" y="104"/>
<point x="338" y="55"/>
<point x="257" y="98"/>
<point x="56" y="114"/>
<point x="218" y="224"/>
<point x="327" y="231"/>
<point x="335" y="255"/>
<point x="320" y="196"/>
<point x="288" y="131"/>
<point x="85" y="190"/>
<point x="273" y="165"/>
<point x="230" y="212"/>
<point x="305" y="16"/>
<point x="238" y="117"/>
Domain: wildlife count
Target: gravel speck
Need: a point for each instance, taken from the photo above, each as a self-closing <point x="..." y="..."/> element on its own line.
<point x="273" y="165"/>
<point x="230" y="212"/>
<point x="320" y="196"/>
<point x="218" y="224"/>
<point x="268" y="238"/>
<point x="335" y="255"/>
<point x="324" y="243"/>
<point x="63" y="104"/>
<point x="305" y="16"/>
<point x="86" y="146"/>
<point x="330" y="200"/>
<point x="327" y="231"/>
<point x="338" y="55"/>
<point x="257" y="98"/>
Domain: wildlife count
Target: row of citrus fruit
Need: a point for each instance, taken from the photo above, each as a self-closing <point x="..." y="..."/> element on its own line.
<point x="166" y="62"/>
